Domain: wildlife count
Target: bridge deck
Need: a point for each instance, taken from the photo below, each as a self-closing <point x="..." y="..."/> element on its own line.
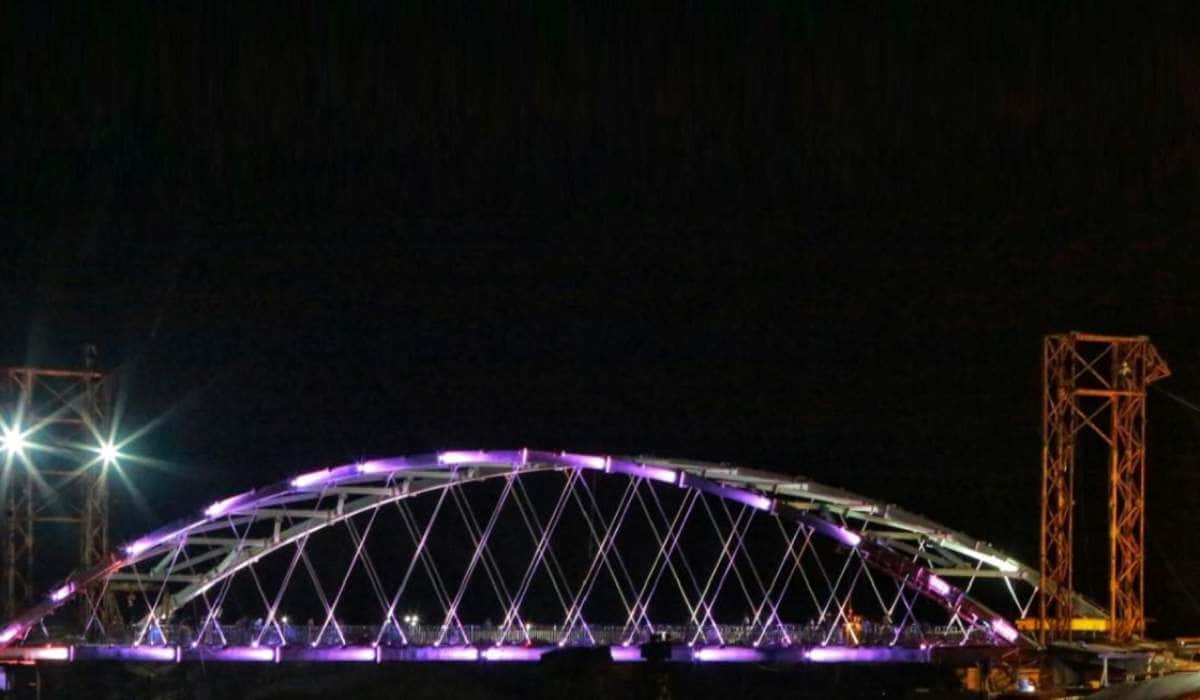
<point x="494" y="653"/>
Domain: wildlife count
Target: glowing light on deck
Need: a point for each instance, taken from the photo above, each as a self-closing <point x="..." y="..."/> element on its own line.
<point x="512" y="653"/>
<point x="52" y="653"/>
<point x="742" y="654"/>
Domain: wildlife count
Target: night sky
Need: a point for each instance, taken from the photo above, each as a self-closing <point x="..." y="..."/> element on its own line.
<point x="791" y="236"/>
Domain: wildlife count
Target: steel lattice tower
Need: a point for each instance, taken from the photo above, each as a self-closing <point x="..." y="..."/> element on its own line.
<point x="1095" y="385"/>
<point x="58" y="479"/>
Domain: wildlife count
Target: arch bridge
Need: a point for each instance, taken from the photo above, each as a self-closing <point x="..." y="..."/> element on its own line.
<point x="511" y="555"/>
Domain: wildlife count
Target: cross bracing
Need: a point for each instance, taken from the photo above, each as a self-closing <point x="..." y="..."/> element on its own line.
<point x="535" y="550"/>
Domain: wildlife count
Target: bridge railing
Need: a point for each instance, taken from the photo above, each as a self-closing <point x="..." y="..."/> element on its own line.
<point x="252" y="633"/>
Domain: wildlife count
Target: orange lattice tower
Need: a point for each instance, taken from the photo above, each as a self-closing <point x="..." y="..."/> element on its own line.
<point x="1095" y="385"/>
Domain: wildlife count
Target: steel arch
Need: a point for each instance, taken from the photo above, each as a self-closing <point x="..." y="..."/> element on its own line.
<point x="921" y="556"/>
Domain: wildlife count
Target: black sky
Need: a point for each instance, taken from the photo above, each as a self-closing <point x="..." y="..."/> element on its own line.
<point x="790" y="235"/>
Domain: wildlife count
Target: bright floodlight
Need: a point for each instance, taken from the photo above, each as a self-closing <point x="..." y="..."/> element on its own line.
<point x="13" y="441"/>
<point x="108" y="453"/>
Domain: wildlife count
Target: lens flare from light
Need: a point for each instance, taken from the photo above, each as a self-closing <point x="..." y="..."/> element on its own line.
<point x="13" y="441"/>
<point x="108" y="453"/>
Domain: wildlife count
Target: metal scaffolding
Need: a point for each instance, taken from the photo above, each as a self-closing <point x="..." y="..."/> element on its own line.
<point x="58" y="478"/>
<point x="1095" y="385"/>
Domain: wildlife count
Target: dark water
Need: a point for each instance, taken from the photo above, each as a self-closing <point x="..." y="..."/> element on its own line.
<point x="465" y="681"/>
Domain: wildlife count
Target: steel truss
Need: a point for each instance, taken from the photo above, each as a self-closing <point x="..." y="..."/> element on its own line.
<point x="503" y="551"/>
<point x="59" y="479"/>
<point x="1095" y="385"/>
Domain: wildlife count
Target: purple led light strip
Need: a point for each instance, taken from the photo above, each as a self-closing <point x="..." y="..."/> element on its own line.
<point x="659" y="474"/>
<point x="504" y="653"/>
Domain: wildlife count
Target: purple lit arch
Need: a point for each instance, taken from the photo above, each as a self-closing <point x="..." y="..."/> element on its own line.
<point x="729" y="564"/>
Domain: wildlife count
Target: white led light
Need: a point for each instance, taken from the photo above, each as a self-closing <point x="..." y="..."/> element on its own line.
<point x="108" y="453"/>
<point x="13" y="441"/>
